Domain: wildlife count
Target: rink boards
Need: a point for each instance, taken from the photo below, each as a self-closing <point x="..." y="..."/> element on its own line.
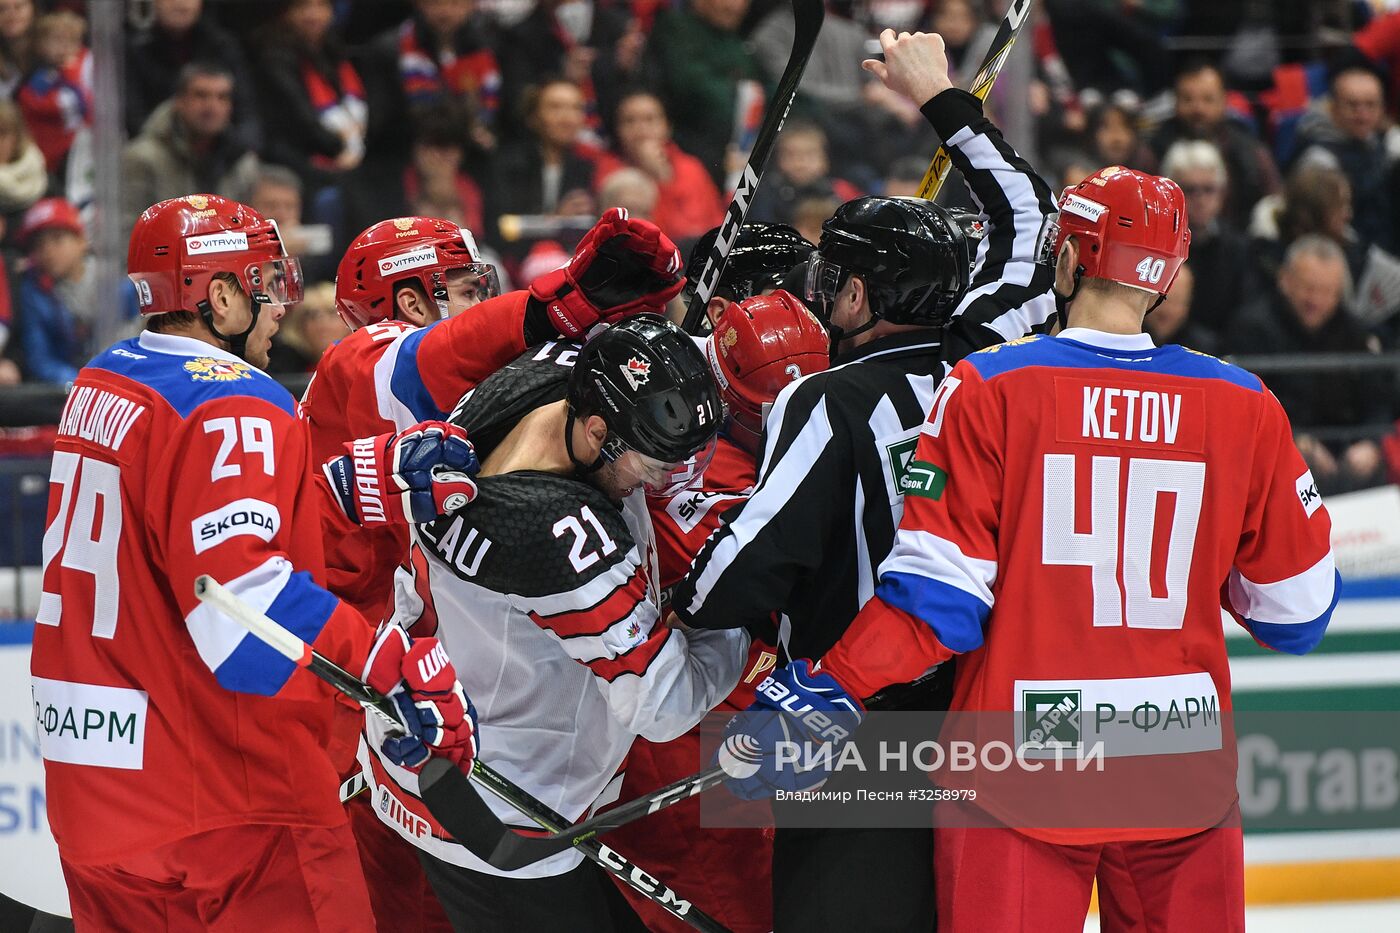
<point x="1356" y="668"/>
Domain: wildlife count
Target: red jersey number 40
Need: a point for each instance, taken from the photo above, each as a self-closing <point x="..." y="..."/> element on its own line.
<point x="1153" y="563"/>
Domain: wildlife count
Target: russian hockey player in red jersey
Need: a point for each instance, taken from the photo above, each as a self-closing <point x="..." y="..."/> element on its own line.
<point x="1151" y="490"/>
<point x="402" y="287"/>
<point x="758" y="346"/>
<point x="188" y="781"/>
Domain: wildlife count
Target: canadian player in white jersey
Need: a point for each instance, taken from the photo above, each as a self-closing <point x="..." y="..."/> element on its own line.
<point x="546" y="594"/>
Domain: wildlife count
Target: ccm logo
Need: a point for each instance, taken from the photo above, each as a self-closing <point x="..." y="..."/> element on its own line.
<point x="664" y="895"/>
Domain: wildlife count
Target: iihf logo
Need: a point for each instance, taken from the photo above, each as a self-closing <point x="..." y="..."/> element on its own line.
<point x="637" y="372"/>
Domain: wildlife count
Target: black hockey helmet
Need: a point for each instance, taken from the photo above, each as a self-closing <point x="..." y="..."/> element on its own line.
<point x="762" y="254"/>
<point x="914" y="257"/>
<point x="650" y="382"/>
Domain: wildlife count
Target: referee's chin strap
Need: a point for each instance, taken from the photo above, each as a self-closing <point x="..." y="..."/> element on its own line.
<point x="585" y="469"/>
<point x="237" y="343"/>
<point x="837" y="334"/>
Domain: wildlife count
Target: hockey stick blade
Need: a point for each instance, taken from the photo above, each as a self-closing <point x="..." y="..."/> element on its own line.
<point x="808" y="16"/>
<point x="997" y="53"/>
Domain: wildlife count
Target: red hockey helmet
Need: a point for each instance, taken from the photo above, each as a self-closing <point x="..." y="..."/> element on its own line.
<point x="1131" y="227"/>
<point x="177" y="246"/>
<point x="758" y="346"/>
<point x="405" y="249"/>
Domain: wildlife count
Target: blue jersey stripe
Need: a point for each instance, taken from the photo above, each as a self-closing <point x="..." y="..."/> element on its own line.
<point x="1296" y="637"/>
<point x="187" y="382"/>
<point x="407" y="382"/>
<point x="1061" y="353"/>
<point x="301" y="607"/>
<point x="956" y="616"/>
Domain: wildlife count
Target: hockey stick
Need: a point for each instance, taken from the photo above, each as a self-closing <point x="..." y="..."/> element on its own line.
<point x="444" y="789"/>
<point x="807" y="20"/>
<point x="997" y="53"/>
<point x="512" y="850"/>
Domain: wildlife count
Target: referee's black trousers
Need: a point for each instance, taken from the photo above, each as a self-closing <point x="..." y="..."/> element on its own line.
<point x="844" y="880"/>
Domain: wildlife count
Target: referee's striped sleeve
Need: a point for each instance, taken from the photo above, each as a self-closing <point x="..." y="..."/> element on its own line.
<point x="1010" y="293"/>
<point x="747" y="568"/>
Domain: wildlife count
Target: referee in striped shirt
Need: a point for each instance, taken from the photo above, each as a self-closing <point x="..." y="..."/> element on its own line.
<point x="891" y="279"/>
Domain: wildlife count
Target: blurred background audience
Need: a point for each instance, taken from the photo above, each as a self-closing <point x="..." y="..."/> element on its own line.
<point x="520" y="119"/>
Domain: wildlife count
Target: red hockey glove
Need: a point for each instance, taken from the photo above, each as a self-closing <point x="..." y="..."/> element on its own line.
<point x="418" y="676"/>
<point x="622" y="266"/>
<point x="417" y="475"/>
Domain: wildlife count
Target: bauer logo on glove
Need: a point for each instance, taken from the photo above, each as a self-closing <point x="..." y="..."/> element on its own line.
<point x="789" y="738"/>
<point x="415" y="476"/>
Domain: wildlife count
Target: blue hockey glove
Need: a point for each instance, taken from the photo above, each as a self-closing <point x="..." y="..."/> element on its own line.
<point x="789" y="738"/>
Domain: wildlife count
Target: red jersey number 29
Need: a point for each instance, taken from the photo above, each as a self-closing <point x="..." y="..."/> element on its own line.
<point x="1154" y="584"/>
<point x="83" y="536"/>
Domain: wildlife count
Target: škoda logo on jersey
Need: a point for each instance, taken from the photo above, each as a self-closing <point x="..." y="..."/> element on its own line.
<point x="637" y="372"/>
<point x="208" y="369"/>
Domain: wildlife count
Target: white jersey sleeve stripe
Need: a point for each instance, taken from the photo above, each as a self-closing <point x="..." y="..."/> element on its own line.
<point x="215" y="635"/>
<point x="772" y="495"/>
<point x="924" y="554"/>
<point x="1293" y="601"/>
<point x="390" y="407"/>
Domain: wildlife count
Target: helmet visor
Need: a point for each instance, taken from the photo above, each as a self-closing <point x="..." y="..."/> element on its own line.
<point x="275" y="281"/>
<point x="824" y="281"/>
<point x="1047" y="238"/>
<point x="658" y="477"/>
<point x="474" y="283"/>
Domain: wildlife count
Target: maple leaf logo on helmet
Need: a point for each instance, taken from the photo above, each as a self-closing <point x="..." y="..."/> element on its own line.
<point x="636" y="372"/>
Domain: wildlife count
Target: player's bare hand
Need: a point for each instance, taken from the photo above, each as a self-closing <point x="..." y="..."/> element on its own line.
<point x="915" y="65"/>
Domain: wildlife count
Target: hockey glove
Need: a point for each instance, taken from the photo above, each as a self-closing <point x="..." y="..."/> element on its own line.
<point x="414" y="476"/>
<point x="418" y="676"/>
<point x="621" y="266"/>
<point x="789" y="738"/>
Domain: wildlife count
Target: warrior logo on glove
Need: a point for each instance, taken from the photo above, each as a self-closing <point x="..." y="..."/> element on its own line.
<point x="417" y="475"/>
<point x="418" y="676"/>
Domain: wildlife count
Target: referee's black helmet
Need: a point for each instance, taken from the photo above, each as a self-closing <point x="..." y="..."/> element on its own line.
<point x="914" y="257"/>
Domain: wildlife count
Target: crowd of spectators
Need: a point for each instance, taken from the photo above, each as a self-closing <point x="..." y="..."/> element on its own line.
<point x="522" y="119"/>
